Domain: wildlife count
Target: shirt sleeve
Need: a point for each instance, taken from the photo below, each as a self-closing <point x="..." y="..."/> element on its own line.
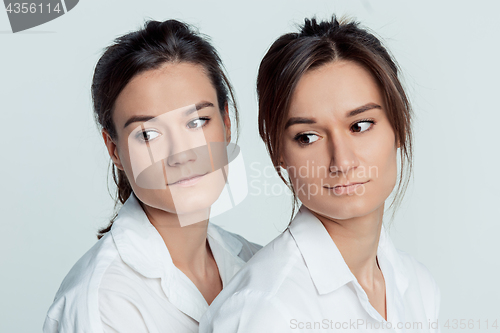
<point x="119" y="313"/>
<point x="50" y="325"/>
<point x="69" y="315"/>
<point x="247" y="312"/>
<point x="431" y="293"/>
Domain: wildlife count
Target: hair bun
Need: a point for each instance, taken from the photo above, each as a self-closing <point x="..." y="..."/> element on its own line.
<point x="312" y="28"/>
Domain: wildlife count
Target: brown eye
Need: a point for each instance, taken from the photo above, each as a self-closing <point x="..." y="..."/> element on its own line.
<point x="306" y="139"/>
<point x="147" y="135"/>
<point x="362" y="126"/>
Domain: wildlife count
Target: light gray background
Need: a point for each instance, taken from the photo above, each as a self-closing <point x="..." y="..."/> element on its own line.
<point x="54" y="164"/>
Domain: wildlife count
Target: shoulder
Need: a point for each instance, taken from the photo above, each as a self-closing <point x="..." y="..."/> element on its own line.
<point x="257" y="288"/>
<point x="255" y="299"/>
<point x="275" y="262"/>
<point x="422" y="279"/>
<point x="121" y="283"/>
<point x="248" y="249"/>
<point x="267" y="270"/>
<point x="76" y="300"/>
<point x="420" y="271"/>
<point x="247" y="311"/>
<point x="127" y="290"/>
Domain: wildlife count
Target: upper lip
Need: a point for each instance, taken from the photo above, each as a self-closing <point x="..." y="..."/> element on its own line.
<point x="188" y="178"/>
<point x="349" y="184"/>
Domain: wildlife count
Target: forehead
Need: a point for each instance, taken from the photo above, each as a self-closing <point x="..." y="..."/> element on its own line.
<point x="335" y="87"/>
<point x="170" y="87"/>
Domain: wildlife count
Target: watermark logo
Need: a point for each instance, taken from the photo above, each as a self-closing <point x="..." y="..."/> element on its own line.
<point x="310" y="180"/>
<point x="26" y="15"/>
<point x="181" y="165"/>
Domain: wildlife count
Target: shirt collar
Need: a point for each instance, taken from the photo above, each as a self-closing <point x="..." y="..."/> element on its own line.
<point x="325" y="263"/>
<point x="225" y="249"/>
<point x="389" y="255"/>
<point x="142" y="248"/>
<point x="138" y="242"/>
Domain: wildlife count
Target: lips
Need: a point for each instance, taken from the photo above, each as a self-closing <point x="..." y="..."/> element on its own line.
<point x="189" y="180"/>
<point x="346" y="189"/>
<point x="349" y="184"/>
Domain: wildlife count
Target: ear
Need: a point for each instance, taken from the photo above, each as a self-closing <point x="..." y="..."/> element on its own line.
<point x="282" y="163"/>
<point x="227" y="123"/>
<point x="112" y="149"/>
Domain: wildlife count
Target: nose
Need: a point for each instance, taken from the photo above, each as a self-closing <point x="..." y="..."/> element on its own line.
<point x="343" y="157"/>
<point x="181" y="151"/>
<point x="181" y="158"/>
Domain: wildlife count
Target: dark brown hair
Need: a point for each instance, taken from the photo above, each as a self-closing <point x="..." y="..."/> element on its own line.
<point x="316" y="44"/>
<point x="149" y="48"/>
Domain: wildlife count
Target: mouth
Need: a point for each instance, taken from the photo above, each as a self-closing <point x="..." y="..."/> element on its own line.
<point x="345" y="188"/>
<point x="188" y="181"/>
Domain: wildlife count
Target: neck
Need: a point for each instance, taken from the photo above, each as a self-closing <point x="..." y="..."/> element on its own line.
<point x="185" y="237"/>
<point x="357" y="240"/>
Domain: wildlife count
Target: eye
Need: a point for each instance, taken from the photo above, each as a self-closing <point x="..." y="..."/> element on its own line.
<point x="147" y="135"/>
<point x="305" y="139"/>
<point x="362" y="126"/>
<point x="198" y="122"/>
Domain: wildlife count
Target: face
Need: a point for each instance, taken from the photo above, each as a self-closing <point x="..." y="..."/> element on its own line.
<point x="171" y="138"/>
<point x="337" y="133"/>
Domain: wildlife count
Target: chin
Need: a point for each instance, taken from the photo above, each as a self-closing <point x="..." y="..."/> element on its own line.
<point x="341" y="208"/>
<point x="158" y="199"/>
<point x="192" y="205"/>
<point x="184" y="199"/>
<point x="201" y="196"/>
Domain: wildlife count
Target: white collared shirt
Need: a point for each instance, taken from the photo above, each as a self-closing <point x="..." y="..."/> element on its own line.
<point x="300" y="283"/>
<point x="127" y="281"/>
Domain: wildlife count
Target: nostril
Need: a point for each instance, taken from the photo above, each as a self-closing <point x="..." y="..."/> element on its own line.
<point x="181" y="157"/>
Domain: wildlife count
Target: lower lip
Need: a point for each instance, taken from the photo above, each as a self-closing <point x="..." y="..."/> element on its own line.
<point x="346" y="189"/>
<point x="188" y="182"/>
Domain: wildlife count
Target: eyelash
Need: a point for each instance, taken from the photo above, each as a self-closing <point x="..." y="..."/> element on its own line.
<point x="141" y="135"/>
<point x="365" y="121"/>
<point x="299" y="135"/>
<point x="200" y="118"/>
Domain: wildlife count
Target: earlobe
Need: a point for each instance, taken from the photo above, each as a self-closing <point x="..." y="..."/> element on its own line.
<point x="282" y="163"/>
<point x="112" y="149"/>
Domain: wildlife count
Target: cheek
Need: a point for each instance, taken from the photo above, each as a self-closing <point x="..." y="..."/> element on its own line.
<point x="392" y="169"/>
<point x="292" y="159"/>
<point x="161" y="199"/>
<point x="124" y="155"/>
<point x="383" y="162"/>
<point x="177" y="199"/>
<point x="305" y="165"/>
<point x="216" y="156"/>
<point x="215" y="130"/>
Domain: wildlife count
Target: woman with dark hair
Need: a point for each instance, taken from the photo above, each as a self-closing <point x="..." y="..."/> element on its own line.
<point x="333" y="114"/>
<point x="162" y="101"/>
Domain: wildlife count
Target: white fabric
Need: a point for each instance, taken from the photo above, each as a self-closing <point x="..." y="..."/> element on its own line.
<point x="301" y="283"/>
<point x="127" y="281"/>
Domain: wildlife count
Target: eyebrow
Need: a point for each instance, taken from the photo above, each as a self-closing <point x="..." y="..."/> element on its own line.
<point x="352" y="113"/>
<point x="198" y="106"/>
<point x="362" y="109"/>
